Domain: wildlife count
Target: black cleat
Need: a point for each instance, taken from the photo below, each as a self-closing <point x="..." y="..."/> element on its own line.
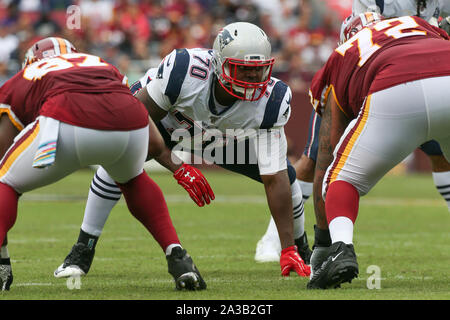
<point x="6" y="276"/>
<point x="303" y="248"/>
<point x="184" y="271"/>
<point x="340" y="266"/>
<point x="77" y="262"/>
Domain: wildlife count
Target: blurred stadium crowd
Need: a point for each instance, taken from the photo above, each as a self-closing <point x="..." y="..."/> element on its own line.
<point x="135" y="35"/>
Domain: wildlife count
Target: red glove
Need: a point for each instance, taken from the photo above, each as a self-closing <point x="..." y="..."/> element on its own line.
<point x="290" y="260"/>
<point x="195" y="184"/>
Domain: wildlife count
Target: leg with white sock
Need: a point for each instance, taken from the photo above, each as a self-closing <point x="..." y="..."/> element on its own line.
<point x="442" y="183"/>
<point x="307" y="189"/>
<point x="341" y="206"/>
<point x="305" y="172"/>
<point x="104" y="193"/>
<point x="268" y="248"/>
<point x="21" y="176"/>
<point x="145" y="201"/>
<point x="441" y="176"/>
<point x="300" y="238"/>
<point x="440" y="168"/>
<point x="442" y="179"/>
<point x="354" y="169"/>
<point x="298" y="210"/>
<point x="103" y="196"/>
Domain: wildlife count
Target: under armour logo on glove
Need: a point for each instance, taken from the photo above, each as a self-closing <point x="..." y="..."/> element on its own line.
<point x="290" y="260"/>
<point x="188" y="176"/>
<point x="193" y="181"/>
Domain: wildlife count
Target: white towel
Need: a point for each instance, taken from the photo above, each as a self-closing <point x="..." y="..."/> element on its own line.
<point x="46" y="153"/>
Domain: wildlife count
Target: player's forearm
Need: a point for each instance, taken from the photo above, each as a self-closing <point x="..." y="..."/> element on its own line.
<point x="324" y="159"/>
<point x="319" y="204"/>
<point x="169" y="160"/>
<point x="158" y="150"/>
<point x="278" y="194"/>
<point x="332" y="127"/>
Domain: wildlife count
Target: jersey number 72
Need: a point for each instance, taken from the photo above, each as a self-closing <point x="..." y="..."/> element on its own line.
<point x="396" y="28"/>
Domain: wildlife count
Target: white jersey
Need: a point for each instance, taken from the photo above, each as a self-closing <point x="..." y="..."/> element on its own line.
<point x="445" y="7"/>
<point x="397" y="8"/>
<point x="183" y="86"/>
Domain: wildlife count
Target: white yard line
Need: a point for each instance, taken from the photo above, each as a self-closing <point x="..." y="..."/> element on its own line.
<point x="248" y="199"/>
<point x="31" y="284"/>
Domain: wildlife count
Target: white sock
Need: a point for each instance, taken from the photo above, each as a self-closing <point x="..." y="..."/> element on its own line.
<point x="307" y="189"/>
<point x="103" y="196"/>
<point x="299" y="210"/>
<point x="442" y="183"/>
<point x="341" y="229"/>
<point x="272" y="231"/>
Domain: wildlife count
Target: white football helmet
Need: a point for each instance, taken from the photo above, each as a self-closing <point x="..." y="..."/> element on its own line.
<point x="425" y="9"/>
<point x="242" y="60"/>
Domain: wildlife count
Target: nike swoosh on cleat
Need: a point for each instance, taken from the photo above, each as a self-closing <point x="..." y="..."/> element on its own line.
<point x="335" y="257"/>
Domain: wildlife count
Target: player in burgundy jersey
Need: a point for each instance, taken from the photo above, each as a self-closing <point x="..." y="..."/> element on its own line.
<point x="381" y="94"/>
<point x="429" y="10"/>
<point x="66" y="110"/>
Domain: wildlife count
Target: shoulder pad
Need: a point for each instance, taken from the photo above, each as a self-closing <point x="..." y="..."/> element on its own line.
<point x="173" y="70"/>
<point x="277" y="101"/>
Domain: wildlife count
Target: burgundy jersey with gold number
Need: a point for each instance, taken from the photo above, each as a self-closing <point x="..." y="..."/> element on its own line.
<point x="76" y="88"/>
<point x="380" y="56"/>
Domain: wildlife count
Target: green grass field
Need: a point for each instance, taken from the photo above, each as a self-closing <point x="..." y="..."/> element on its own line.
<point x="402" y="227"/>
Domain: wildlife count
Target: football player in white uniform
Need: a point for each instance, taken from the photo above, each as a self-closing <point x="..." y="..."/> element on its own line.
<point x="223" y="105"/>
<point x="429" y="10"/>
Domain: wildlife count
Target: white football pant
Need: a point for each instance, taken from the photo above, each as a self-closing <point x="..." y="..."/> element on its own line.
<point x="121" y="153"/>
<point x="391" y="124"/>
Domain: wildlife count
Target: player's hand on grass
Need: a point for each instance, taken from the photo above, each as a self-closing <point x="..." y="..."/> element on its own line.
<point x="290" y="260"/>
<point x="195" y="184"/>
